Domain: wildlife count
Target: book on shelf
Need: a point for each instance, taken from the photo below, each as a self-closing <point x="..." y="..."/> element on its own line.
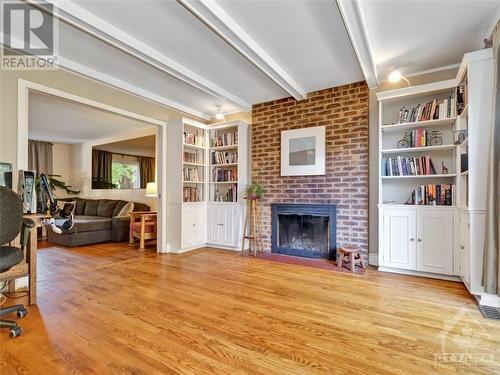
<point x="461" y="97"/>
<point x="408" y="166"/>
<point x="432" y="110"/>
<point x="433" y="195"/>
<point x="224" y="139"/>
<point x="224" y="174"/>
<point x="219" y="157"/>
<point x="420" y="137"/>
<point x="191" y="194"/>
<point x="191" y="174"/>
<point x="195" y="138"/>
<point x="228" y="195"/>
<point x="193" y="157"/>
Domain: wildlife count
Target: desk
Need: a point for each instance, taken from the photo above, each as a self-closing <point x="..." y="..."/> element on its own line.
<point x="39" y="220"/>
<point x="28" y="266"/>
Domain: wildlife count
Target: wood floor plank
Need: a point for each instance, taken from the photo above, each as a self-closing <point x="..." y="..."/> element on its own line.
<point x="108" y="309"/>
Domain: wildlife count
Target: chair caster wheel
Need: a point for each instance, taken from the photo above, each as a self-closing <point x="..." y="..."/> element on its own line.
<point x="22" y="313"/>
<point x="16" y="331"/>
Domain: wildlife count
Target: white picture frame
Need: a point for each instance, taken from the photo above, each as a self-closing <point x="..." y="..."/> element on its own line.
<point x="303" y="151"/>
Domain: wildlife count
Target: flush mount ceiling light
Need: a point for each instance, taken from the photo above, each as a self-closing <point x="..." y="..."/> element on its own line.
<point x="219" y="115"/>
<point x="396" y="76"/>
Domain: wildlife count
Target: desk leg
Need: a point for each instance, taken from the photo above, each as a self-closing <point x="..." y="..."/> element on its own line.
<point x="32" y="248"/>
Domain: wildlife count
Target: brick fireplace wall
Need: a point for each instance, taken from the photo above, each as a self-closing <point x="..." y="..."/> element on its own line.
<point x="344" y="112"/>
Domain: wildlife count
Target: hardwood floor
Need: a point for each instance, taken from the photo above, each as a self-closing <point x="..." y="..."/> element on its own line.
<point x="108" y="309"/>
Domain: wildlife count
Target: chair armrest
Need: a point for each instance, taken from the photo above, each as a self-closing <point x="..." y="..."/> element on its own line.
<point x="120" y="228"/>
<point x="28" y="224"/>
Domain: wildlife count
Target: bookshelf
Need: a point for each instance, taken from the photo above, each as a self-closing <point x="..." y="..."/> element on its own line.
<point x="209" y="171"/>
<point x="440" y="241"/>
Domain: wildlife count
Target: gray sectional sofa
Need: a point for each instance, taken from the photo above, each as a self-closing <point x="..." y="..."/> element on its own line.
<point x="96" y="220"/>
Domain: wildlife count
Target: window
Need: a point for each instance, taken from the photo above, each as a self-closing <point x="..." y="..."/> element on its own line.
<point x="125" y="172"/>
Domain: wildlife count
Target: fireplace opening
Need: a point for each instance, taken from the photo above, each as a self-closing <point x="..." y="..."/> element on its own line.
<point x="305" y="233"/>
<point x="307" y="230"/>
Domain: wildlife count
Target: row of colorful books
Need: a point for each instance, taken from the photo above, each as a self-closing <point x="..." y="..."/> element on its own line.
<point x="224" y="174"/>
<point x="406" y="166"/>
<point x="433" y="195"/>
<point x="219" y="157"/>
<point x="193" y="157"/>
<point x="432" y="110"/>
<point x="191" y="194"/>
<point x="231" y="195"/>
<point x="196" y="139"/>
<point x="225" y="139"/>
<point x="420" y="137"/>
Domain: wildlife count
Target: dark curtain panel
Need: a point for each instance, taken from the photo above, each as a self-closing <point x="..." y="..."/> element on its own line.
<point x="491" y="260"/>
<point x="102" y="169"/>
<point x="40" y="157"/>
<point x="146" y="170"/>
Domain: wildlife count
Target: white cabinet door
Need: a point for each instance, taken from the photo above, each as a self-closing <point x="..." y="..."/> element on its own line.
<point x="399" y="245"/>
<point x="435" y="241"/>
<point x="464" y="247"/>
<point x="193" y="226"/>
<point x="223" y="224"/>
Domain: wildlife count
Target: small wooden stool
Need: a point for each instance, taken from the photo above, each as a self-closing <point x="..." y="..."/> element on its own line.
<point x="354" y="253"/>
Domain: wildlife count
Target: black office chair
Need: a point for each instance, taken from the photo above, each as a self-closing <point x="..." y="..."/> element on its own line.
<point x="11" y="223"/>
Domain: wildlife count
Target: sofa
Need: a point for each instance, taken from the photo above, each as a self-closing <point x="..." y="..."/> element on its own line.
<point x="96" y="220"/>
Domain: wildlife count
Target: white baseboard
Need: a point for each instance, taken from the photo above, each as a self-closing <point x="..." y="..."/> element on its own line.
<point x="487" y="299"/>
<point x="420" y="274"/>
<point x="373" y="259"/>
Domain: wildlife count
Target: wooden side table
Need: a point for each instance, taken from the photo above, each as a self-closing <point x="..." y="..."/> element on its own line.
<point x="39" y="220"/>
<point x="354" y="254"/>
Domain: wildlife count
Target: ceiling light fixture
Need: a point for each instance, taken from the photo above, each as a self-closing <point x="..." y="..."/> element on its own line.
<point x="396" y="76"/>
<point x="219" y="115"/>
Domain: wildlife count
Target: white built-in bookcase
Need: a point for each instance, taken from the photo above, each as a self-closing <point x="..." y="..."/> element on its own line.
<point x="199" y="210"/>
<point x="439" y="241"/>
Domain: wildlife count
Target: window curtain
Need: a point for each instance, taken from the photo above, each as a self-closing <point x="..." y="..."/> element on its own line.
<point x="102" y="169"/>
<point x="146" y="170"/>
<point x="40" y="157"/>
<point x="491" y="259"/>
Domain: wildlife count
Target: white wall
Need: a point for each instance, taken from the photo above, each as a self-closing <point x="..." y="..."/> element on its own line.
<point x="61" y="164"/>
<point x="81" y="171"/>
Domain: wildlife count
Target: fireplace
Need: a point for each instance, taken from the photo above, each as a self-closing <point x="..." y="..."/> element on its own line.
<point x="306" y="230"/>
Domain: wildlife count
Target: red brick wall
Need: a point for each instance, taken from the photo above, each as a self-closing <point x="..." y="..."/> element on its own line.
<point x="344" y="112"/>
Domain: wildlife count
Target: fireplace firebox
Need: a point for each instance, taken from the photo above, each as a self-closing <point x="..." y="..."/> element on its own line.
<point x="306" y="230"/>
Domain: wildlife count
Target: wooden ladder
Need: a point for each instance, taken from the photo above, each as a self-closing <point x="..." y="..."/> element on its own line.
<point x="254" y="226"/>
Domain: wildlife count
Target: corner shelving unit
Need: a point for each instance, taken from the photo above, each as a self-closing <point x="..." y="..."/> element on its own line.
<point x="205" y="198"/>
<point x="440" y="241"/>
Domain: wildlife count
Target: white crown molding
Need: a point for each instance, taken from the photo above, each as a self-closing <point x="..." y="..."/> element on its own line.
<point x="353" y="20"/>
<point x="210" y="13"/>
<point x="103" y="30"/>
<point x="433" y="70"/>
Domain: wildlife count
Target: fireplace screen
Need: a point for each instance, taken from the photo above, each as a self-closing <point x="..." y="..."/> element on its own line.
<point x="305" y="235"/>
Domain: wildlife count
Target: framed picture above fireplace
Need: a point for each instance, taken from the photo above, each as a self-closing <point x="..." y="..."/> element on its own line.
<point x="303" y="151"/>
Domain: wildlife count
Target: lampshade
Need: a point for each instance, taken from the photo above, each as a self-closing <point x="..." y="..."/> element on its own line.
<point x="151" y="189"/>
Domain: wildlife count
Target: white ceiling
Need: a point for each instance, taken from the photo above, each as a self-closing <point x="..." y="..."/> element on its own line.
<point x="142" y="146"/>
<point x="416" y="36"/>
<point x="61" y="121"/>
<point x="196" y="55"/>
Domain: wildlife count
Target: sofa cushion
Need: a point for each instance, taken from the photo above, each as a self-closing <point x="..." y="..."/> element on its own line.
<point x="80" y="206"/>
<point x="91" y="223"/>
<point x="91" y="207"/>
<point x="106" y="207"/>
<point x="119" y="205"/>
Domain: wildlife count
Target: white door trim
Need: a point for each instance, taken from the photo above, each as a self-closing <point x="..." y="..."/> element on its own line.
<point x="24" y="87"/>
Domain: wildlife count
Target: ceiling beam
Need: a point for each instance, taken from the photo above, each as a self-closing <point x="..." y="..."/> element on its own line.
<point x="351" y="14"/>
<point x="76" y="16"/>
<point x="216" y="18"/>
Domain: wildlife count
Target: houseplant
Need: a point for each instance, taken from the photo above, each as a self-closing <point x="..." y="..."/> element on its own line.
<point x="254" y="191"/>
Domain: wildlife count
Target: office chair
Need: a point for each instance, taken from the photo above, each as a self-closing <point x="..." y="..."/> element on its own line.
<point x="11" y="223"/>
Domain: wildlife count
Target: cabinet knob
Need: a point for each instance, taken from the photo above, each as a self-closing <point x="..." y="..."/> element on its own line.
<point x="419" y="240"/>
<point x="462" y="247"/>
<point x="220" y="224"/>
<point x="412" y="239"/>
<point x="194" y="225"/>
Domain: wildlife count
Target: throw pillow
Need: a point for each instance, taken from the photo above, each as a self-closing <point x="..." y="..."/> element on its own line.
<point x="60" y="205"/>
<point x="127" y="209"/>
